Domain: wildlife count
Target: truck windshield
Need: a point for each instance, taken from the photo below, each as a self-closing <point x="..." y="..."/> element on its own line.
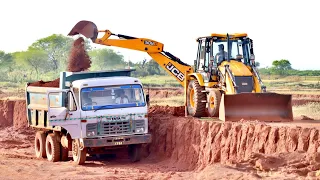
<point x="110" y="97"/>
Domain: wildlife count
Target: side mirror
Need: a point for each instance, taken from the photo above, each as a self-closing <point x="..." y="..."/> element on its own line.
<point x="195" y="63"/>
<point x="148" y="99"/>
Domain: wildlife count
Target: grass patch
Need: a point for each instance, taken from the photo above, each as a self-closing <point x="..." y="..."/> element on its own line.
<point x="311" y="110"/>
<point x="159" y="81"/>
<point x="171" y="101"/>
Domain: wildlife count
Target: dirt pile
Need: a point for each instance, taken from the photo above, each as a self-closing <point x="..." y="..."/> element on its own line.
<point x="79" y="60"/>
<point x="54" y="83"/>
<point x="298" y="162"/>
<point x="193" y="144"/>
<point x="13" y="113"/>
<point x="16" y="138"/>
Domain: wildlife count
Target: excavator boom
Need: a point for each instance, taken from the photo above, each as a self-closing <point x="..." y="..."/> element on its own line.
<point x="173" y="65"/>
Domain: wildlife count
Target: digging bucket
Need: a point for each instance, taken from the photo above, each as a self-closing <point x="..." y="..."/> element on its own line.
<point x="86" y="28"/>
<point x="271" y="107"/>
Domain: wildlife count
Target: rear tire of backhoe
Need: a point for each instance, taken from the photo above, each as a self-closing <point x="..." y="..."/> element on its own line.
<point x="196" y="99"/>
<point x="214" y="98"/>
<point x="79" y="156"/>
<point x="40" y="144"/>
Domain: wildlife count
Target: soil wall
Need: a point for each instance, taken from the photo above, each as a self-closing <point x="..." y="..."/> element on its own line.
<point x="13" y="113"/>
<point x="190" y="143"/>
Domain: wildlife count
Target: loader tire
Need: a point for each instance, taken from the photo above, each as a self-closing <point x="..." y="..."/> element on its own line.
<point x="79" y="156"/>
<point x="196" y="99"/>
<point x="40" y="144"/>
<point x="214" y="98"/>
<point x="52" y="148"/>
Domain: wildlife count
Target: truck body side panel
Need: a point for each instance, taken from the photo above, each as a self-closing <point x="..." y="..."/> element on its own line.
<point x="37" y="106"/>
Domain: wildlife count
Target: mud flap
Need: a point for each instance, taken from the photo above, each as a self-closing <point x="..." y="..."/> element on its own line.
<point x="271" y="107"/>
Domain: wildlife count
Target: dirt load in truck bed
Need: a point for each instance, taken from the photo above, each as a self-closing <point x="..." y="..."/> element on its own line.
<point x="182" y="148"/>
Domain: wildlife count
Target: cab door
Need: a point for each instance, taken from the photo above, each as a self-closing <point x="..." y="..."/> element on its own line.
<point x="203" y="58"/>
<point x="63" y="109"/>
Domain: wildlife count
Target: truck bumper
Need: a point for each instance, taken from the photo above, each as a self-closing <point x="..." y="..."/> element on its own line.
<point x="117" y="141"/>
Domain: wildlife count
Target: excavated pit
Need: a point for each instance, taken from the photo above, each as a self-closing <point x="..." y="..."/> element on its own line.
<point x="187" y="143"/>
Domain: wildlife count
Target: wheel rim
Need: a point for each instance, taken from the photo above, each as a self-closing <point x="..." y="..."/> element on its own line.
<point x="75" y="149"/>
<point x="191" y="97"/>
<point x="211" y="102"/>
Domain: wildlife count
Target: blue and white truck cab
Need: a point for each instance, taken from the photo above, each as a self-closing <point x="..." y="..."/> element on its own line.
<point x="88" y="113"/>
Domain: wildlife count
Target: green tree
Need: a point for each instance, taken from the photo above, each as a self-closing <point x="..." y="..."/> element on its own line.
<point x="34" y="59"/>
<point x="106" y="59"/>
<point x="5" y="58"/>
<point x="281" y="67"/>
<point x="6" y="64"/>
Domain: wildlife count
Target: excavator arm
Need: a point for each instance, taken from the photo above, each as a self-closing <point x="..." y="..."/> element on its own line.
<point x="173" y="65"/>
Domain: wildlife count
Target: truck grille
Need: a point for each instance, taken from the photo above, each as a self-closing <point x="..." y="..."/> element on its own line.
<point x="244" y="83"/>
<point x="139" y="123"/>
<point x="109" y="128"/>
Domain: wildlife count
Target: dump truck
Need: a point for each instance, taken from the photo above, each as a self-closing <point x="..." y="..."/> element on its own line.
<point x="89" y="113"/>
<point x="223" y="81"/>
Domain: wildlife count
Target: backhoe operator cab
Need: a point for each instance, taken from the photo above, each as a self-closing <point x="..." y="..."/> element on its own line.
<point x="215" y="49"/>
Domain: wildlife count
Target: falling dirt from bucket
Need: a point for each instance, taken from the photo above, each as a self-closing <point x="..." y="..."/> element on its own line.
<point x="79" y="60"/>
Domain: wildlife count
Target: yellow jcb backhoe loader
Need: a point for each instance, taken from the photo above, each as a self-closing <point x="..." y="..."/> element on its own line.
<point x="224" y="81"/>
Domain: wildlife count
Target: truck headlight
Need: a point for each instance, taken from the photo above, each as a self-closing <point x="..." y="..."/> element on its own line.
<point x="91" y="133"/>
<point x="140" y="130"/>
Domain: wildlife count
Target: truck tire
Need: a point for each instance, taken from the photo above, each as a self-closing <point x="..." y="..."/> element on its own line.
<point x="214" y="98"/>
<point x="64" y="153"/>
<point x="134" y="152"/>
<point x="40" y="144"/>
<point x="196" y="99"/>
<point x="79" y="156"/>
<point x="52" y="148"/>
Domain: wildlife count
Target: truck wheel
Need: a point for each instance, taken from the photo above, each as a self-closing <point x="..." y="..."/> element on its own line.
<point x="40" y="144"/>
<point x="195" y="106"/>
<point x="52" y="148"/>
<point x="79" y="156"/>
<point x="134" y="151"/>
<point x="214" y="99"/>
<point x="64" y="153"/>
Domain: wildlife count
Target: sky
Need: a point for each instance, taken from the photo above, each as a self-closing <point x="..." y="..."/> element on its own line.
<point x="280" y="29"/>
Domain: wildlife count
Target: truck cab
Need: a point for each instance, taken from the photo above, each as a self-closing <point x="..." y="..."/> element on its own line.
<point x="91" y="112"/>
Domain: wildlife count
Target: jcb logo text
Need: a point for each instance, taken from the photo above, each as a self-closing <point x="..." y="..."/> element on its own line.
<point x="151" y="43"/>
<point x="175" y="71"/>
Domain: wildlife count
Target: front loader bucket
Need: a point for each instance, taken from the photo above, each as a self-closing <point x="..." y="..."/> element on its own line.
<point x="270" y="107"/>
<point x="86" y="28"/>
